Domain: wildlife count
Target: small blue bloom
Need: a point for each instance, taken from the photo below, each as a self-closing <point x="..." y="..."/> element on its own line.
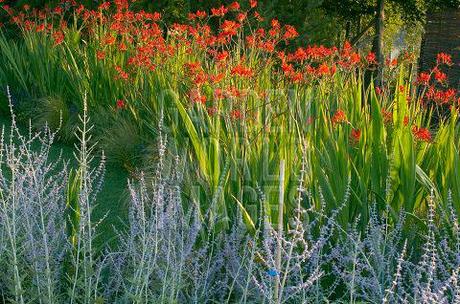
<point x="272" y="272"/>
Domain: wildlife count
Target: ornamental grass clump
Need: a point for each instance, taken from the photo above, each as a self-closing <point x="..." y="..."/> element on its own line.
<point x="237" y="98"/>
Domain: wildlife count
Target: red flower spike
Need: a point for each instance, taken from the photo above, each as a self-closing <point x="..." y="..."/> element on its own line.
<point x="58" y="37"/>
<point x="443" y="58"/>
<point x="234" y="6"/>
<point x="406" y="120"/>
<point x="241" y="17"/>
<point x="421" y="134"/>
<point x="355" y="135"/>
<point x="440" y="76"/>
<point x="120" y="104"/>
<point x="229" y="28"/>
<point x="339" y="117"/>
<point x="219" y="12"/>
<point x="258" y="17"/>
<point x="100" y="55"/>
<point x="242" y="71"/>
<point x="424" y="78"/>
<point x="290" y="32"/>
<point x="371" y="58"/>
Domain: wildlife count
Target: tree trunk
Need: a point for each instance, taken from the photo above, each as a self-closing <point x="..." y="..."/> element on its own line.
<point x="377" y="48"/>
<point x="377" y="45"/>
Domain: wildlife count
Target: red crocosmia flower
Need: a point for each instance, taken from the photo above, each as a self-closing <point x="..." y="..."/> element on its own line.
<point x="122" y="47"/>
<point x="28" y="25"/>
<point x="200" y="78"/>
<point x="212" y="111"/>
<point x="275" y="23"/>
<point x="440" y="96"/>
<point x="192" y="67"/>
<point x="197" y="14"/>
<point x="421" y="134"/>
<point x="155" y="16"/>
<point x="440" y="76"/>
<point x="200" y="14"/>
<point x="216" y="78"/>
<point x="253" y="3"/>
<point x="40" y="28"/>
<point x="121" y="74"/>
<point x="393" y="62"/>
<point x="323" y="69"/>
<point x="355" y="135"/>
<point x="443" y="58"/>
<point x="355" y="58"/>
<point x="236" y="114"/>
<point x="109" y="40"/>
<point x="339" y="117"/>
<point x="80" y="9"/>
<point x="234" y="6"/>
<point x="333" y="69"/>
<point x="242" y="71"/>
<point x="196" y="96"/>
<point x="258" y="17"/>
<point x="121" y="4"/>
<point x="104" y="5"/>
<point x="290" y="32"/>
<point x="378" y="91"/>
<point x="273" y="32"/>
<point x="387" y="116"/>
<point x="371" y="58"/>
<point x="241" y="17"/>
<point x="229" y="28"/>
<point x="219" y="12"/>
<point x="218" y="94"/>
<point x="406" y="120"/>
<point x="402" y="88"/>
<point x="296" y="77"/>
<point x="58" y="10"/>
<point x="100" y="55"/>
<point x="347" y="48"/>
<point x="58" y="37"/>
<point x="120" y="104"/>
<point x="424" y="78"/>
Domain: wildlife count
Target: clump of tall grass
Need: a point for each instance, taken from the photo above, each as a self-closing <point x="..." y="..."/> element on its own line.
<point x="236" y="102"/>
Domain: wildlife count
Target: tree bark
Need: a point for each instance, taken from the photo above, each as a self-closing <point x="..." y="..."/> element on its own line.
<point x="377" y="46"/>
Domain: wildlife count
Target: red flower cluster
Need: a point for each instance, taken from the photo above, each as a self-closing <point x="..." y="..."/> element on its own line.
<point x="241" y="70"/>
<point x="120" y="104"/>
<point x="424" y="78"/>
<point x="339" y="117"/>
<point x="421" y="134"/>
<point x="443" y="58"/>
<point x="132" y="43"/>
<point x="355" y="136"/>
<point x="441" y="97"/>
